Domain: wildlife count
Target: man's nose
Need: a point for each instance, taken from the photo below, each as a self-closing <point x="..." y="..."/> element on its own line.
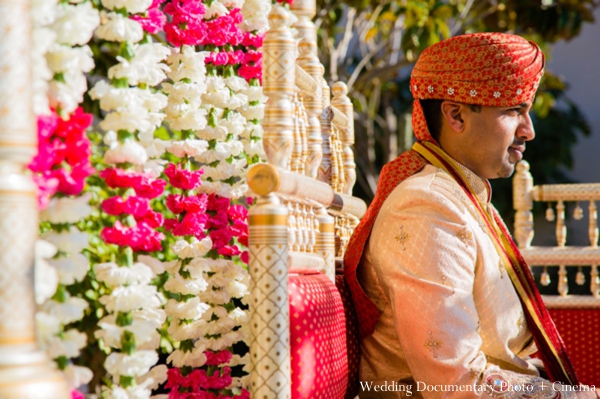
<point x="525" y="130"/>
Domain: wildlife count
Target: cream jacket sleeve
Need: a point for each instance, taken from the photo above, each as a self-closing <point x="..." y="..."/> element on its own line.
<point x="446" y="297"/>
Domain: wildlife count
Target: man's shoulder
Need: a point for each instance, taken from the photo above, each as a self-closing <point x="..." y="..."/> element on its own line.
<point x="430" y="182"/>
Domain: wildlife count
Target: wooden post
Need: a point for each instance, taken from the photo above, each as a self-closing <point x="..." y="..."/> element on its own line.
<point x="25" y="371"/>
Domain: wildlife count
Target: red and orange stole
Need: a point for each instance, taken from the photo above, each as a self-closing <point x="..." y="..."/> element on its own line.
<point x="488" y="69"/>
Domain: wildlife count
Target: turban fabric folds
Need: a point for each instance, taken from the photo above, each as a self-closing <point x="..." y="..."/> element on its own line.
<point x="489" y="69"/>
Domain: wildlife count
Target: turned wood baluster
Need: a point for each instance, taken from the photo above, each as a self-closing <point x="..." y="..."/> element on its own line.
<point x="309" y="61"/>
<point x="561" y="228"/>
<point x="305" y="10"/>
<point x="595" y="282"/>
<point x="523" y="204"/>
<point x="593" y="224"/>
<point x="563" y="283"/>
<point x="342" y="102"/>
<point x="296" y="165"/>
<point x="326" y="116"/>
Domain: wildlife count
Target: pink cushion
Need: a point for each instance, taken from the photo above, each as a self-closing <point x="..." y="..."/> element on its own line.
<point x="317" y="337"/>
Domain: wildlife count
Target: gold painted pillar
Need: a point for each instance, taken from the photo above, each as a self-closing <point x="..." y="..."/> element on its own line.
<point x="270" y="376"/>
<point x="325" y="245"/>
<point x="523" y="204"/>
<point x="25" y="371"/>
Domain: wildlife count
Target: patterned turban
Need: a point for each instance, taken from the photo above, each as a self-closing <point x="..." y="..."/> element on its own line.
<point x="490" y="69"/>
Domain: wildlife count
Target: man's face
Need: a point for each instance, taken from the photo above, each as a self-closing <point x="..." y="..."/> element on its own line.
<point x="495" y="139"/>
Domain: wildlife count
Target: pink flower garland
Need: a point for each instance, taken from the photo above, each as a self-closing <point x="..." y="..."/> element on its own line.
<point x="63" y="160"/>
<point x="142" y="236"/>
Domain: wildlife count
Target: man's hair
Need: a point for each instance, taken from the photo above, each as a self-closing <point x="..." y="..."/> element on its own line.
<point x="432" y="109"/>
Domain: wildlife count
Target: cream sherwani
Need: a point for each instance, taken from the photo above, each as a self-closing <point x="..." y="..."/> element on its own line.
<point x="450" y="312"/>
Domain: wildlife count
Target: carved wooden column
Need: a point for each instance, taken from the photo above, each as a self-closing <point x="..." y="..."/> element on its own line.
<point x="342" y="102"/>
<point x="309" y="61"/>
<point x="324" y="174"/>
<point x="25" y="371"/>
<point x="279" y="75"/>
<point x="326" y="242"/>
<point x="305" y="10"/>
<point x="270" y="376"/>
<point x="523" y="204"/>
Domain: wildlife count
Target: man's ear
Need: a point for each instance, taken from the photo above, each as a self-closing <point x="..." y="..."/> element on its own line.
<point x="453" y="115"/>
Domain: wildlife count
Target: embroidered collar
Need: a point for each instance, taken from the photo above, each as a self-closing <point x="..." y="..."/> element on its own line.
<point x="481" y="187"/>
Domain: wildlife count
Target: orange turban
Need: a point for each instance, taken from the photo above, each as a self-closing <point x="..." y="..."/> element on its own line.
<point x="490" y="69"/>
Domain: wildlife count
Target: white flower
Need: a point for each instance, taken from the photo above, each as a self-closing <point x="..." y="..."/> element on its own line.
<point x="154" y="167"/>
<point x="136" y="392"/>
<point x="135" y="365"/>
<point x="192" y="309"/>
<point x="212" y="133"/>
<point x="252" y="130"/>
<point x="255" y="93"/>
<point x="235" y="124"/>
<point x="125" y="299"/>
<point x="66" y="312"/>
<point x="43" y="12"/>
<point x="71" y="269"/>
<point x="156" y="376"/>
<point x="185" y="116"/>
<point x="216" y="9"/>
<point x="225" y="170"/>
<point x="64" y="58"/>
<point x="77" y="375"/>
<point x="75" y="25"/>
<point x="72" y="241"/>
<point x="183" y="331"/>
<point x="195" y="358"/>
<point x="187" y="64"/>
<point x="237" y="289"/>
<point x="68" y="94"/>
<point x="218" y="297"/>
<point x="144" y="67"/>
<point x="239" y="316"/>
<point x="156" y="265"/>
<point x="182" y="92"/>
<point x="132" y="6"/>
<point x="226" y="340"/>
<point x="143" y="330"/>
<point x="129" y="151"/>
<point x="187" y="147"/>
<point x="46" y="279"/>
<point x="194" y="249"/>
<point x="223" y="98"/>
<point x="67" y="210"/>
<point x="237" y="360"/>
<point x="112" y="98"/>
<point x="155" y="147"/>
<point x="69" y="345"/>
<point x="47" y="326"/>
<point x="193" y="286"/>
<point x="117" y="28"/>
<point x="221" y="152"/>
<point x="132" y="119"/>
<point x="254" y="147"/>
<point x="253" y="111"/>
<point x="255" y="14"/>
<point x="236" y="83"/>
<point x="233" y="3"/>
<point x="114" y="275"/>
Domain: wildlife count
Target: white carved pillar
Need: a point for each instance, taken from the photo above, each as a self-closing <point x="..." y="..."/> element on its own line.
<point x="309" y="61"/>
<point x="326" y="242"/>
<point x="269" y="305"/>
<point x="25" y="371"/>
<point x="279" y="76"/>
<point x="342" y="102"/>
<point x="523" y="204"/>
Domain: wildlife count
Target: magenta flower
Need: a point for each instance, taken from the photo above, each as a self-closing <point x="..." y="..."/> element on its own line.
<point x="192" y="224"/>
<point x="153" y="22"/>
<point x="251" y="40"/>
<point x="179" y="203"/>
<point x="183" y="179"/>
<point x="141" y="237"/>
<point x="143" y="184"/>
<point x="217" y="358"/>
<point x="136" y="206"/>
<point x="217" y="203"/>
